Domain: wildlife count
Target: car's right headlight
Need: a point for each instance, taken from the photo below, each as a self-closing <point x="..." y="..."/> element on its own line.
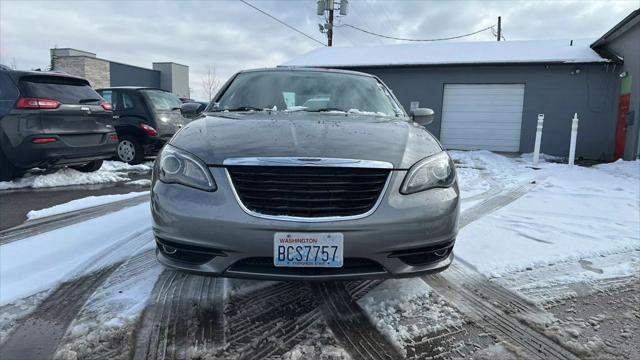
<point x="180" y="167"/>
<point x="431" y="172"/>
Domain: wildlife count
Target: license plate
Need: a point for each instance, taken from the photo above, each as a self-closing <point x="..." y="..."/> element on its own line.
<point x="308" y="249"/>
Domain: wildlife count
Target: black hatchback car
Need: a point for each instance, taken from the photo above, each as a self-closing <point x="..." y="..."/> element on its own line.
<point x="50" y="119"/>
<point x="145" y="119"/>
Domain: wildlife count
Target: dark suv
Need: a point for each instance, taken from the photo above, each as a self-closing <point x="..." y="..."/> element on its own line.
<point x="51" y="120"/>
<point x="145" y="118"/>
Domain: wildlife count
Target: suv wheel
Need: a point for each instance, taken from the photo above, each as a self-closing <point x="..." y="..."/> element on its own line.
<point x="90" y="167"/>
<point x="130" y="150"/>
<point x="8" y="172"/>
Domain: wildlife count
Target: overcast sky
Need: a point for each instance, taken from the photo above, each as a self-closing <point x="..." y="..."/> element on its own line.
<point x="232" y="36"/>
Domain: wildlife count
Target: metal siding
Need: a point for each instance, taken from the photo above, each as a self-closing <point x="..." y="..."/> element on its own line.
<point x="482" y="116"/>
<point x="127" y="75"/>
<point x="551" y="89"/>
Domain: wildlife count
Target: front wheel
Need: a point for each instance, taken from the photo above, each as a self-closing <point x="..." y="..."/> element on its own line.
<point x="90" y="167"/>
<point x="130" y="150"/>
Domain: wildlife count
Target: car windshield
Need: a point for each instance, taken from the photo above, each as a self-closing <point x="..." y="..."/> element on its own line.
<point x="163" y="100"/>
<point x="311" y="91"/>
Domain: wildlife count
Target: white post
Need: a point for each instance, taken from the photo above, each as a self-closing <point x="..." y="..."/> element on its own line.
<point x="574" y="135"/>
<point x="536" y="148"/>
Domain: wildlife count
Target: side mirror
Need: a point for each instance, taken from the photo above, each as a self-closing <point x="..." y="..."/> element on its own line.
<point x="191" y="109"/>
<point x="422" y="116"/>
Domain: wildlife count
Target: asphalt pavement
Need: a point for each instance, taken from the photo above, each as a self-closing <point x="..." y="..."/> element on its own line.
<point x="15" y="204"/>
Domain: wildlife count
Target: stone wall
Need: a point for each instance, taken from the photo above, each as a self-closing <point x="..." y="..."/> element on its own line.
<point x="96" y="71"/>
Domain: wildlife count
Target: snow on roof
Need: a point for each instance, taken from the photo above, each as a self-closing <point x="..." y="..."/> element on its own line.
<point x="435" y="53"/>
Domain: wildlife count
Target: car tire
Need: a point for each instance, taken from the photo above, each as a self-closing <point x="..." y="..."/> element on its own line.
<point x="90" y="167"/>
<point x="129" y="150"/>
<point x="8" y="172"/>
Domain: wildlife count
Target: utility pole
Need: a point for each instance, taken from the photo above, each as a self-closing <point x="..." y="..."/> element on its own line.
<point x="327" y="7"/>
<point x="330" y="28"/>
<point x="499" y="28"/>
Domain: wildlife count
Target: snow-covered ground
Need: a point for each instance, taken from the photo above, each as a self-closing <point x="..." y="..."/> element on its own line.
<point x="405" y="309"/>
<point x="572" y="225"/>
<point x="111" y="171"/>
<point x="83" y="203"/>
<point x="40" y="262"/>
<point x="569" y="214"/>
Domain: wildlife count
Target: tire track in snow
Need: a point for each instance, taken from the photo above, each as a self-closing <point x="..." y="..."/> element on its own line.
<point x="113" y="342"/>
<point x="492" y="306"/>
<point x="38" y="335"/>
<point x="184" y="319"/>
<point x="350" y="325"/>
<point x="71" y="295"/>
<point x="269" y="322"/>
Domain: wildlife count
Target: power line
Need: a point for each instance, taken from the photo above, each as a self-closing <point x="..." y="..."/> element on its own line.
<point x="282" y="22"/>
<point x="405" y="39"/>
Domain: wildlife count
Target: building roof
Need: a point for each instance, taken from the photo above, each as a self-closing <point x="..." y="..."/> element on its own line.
<point x="620" y="28"/>
<point x="445" y="53"/>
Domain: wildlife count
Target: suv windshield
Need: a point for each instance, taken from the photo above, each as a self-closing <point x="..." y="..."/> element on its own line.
<point x="312" y="91"/>
<point x="163" y="100"/>
<point x="62" y="89"/>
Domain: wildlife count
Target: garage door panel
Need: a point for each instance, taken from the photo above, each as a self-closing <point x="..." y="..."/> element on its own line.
<point x="482" y="116"/>
<point x="464" y="145"/>
<point x="500" y="117"/>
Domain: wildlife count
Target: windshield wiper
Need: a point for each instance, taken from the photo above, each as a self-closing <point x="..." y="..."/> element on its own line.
<point x="327" y="109"/>
<point x="84" y="101"/>
<point x="242" y="108"/>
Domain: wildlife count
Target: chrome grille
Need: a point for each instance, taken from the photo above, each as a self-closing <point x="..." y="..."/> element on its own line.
<point x="308" y="192"/>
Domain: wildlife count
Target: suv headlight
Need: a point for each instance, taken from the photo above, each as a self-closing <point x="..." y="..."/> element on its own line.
<point x="431" y="172"/>
<point x="180" y="167"/>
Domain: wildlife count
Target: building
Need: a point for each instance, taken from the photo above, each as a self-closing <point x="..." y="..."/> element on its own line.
<point x="622" y="43"/>
<point x="105" y="73"/>
<point x="487" y="95"/>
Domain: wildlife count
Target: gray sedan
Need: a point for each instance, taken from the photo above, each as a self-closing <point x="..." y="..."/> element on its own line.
<point x="305" y="174"/>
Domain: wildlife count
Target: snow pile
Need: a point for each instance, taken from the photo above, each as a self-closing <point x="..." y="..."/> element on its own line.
<point x="319" y="343"/>
<point x="499" y="351"/>
<point x="111" y="171"/>
<point x="622" y="168"/>
<point x="406" y="309"/>
<point x="572" y="213"/>
<point x="124" y="167"/>
<point x="140" y="182"/>
<point x="81" y="204"/>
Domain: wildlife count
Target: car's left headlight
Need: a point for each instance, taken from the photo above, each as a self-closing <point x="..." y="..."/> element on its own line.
<point x="180" y="167"/>
<point x="431" y="172"/>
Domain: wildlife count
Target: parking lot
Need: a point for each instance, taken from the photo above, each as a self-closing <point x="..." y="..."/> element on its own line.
<point x="570" y="294"/>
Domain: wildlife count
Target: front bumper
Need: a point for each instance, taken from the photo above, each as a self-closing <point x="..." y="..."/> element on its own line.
<point x="407" y="235"/>
<point x="59" y="153"/>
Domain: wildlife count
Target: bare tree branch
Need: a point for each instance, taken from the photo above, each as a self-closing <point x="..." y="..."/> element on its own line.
<point x="210" y="82"/>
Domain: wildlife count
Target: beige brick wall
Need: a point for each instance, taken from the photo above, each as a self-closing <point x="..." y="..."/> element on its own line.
<point x="97" y="72"/>
<point x="94" y="70"/>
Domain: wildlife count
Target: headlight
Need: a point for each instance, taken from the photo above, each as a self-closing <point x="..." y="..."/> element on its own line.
<point x="432" y="172"/>
<point x="180" y="167"/>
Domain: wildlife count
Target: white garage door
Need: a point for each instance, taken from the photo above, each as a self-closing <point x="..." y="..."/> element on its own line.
<point x="482" y="116"/>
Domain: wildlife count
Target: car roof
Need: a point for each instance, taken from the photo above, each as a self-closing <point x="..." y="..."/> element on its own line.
<point x="300" y="68"/>
<point x="18" y="74"/>
<point x="130" y="88"/>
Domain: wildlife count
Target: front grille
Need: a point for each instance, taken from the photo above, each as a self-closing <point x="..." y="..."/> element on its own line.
<point x="309" y="192"/>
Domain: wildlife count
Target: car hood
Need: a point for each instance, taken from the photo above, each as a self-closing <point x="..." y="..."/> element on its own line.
<point x="232" y="135"/>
